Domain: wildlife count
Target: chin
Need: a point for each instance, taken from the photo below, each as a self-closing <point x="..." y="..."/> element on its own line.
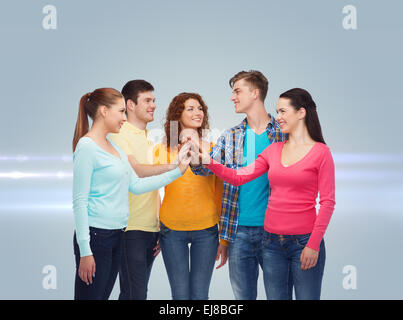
<point x="196" y="126"/>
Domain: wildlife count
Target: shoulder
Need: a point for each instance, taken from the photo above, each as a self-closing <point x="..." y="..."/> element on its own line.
<point x="323" y="148"/>
<point x="160" y="153"/>
<point x="120" y="137"/>
<point x="275" y="146"/>
<point x="85" y="144"/>
<point x="85" y="150"/>
<point x="323" y="154"/>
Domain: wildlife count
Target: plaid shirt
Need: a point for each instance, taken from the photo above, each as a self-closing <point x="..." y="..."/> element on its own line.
<point x="229" y="152"/>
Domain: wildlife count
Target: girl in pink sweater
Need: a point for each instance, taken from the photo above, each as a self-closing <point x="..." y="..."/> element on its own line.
<point x="298" y="169"/>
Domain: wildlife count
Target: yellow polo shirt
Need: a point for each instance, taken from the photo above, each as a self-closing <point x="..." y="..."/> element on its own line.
<point x="144" y="207"/>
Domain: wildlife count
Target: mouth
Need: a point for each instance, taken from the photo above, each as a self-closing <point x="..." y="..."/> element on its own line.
<point x="197" y="119"/>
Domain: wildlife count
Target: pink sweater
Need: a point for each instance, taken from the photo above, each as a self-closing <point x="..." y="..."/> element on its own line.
<point x="294" y="189"/>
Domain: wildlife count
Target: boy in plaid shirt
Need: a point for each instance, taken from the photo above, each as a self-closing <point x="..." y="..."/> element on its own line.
<point x="243" y="208"/>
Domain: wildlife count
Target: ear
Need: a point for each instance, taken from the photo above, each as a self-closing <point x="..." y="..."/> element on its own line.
<point x="130" y="105"/>
<point x="301" y="113"/>
<point x="256" y="93"/>
<point x="103" y="110"/>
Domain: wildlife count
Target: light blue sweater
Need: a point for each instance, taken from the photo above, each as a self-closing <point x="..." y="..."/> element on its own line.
<point x="101" y="182"/>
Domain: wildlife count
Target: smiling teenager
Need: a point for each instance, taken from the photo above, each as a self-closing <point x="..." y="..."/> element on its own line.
<point x="190" y="209"/>
<point x="298" y="169"/>
<point x="243" y="207"/>
<point x="141" y="238"/>
<point x="102" y="177"/>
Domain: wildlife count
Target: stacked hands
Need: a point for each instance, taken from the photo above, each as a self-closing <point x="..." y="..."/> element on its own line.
<point x="191" y="152"/>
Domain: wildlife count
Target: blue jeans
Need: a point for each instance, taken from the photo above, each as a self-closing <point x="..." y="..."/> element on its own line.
<point x="282" y="268"/>
<point x="189" y="283"/>
<point x="244" y="258"/>
<point x="106" y="247"/>
<point x="137" y="261"/>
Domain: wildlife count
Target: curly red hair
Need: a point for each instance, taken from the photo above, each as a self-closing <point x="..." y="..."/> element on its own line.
<point x="174" y="113"/>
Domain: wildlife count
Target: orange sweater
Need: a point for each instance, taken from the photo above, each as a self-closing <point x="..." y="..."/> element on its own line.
<point x="190" y="202"/>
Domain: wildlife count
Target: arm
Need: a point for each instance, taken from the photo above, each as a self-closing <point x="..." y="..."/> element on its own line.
<point x="147" y="170"/>
<point x="243" y="175"/>
<point x="217" y="153"/>
<point x="82" y="172"/>
<point x="326" y="185"/>
<point x="143" y="185"/>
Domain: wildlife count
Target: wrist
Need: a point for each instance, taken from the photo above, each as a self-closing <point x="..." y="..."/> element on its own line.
<point x="182" y="167"/>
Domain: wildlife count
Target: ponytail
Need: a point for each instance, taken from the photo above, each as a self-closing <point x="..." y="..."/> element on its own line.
<point x="89" y="104"/>
<point x="82" y="121"/>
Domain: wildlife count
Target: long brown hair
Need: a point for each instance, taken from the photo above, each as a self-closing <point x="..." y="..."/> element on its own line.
<point x="89" y="104"/>
<point x="174" y="113"/>
<point x="300" y="98"/>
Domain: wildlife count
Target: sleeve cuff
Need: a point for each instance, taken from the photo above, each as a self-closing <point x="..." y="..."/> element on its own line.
<point x="314" y="243"/>
<point x="85" y="249"/>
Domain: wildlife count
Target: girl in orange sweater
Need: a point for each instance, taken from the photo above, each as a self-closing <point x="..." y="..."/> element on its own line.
<point x="190" y="209"/>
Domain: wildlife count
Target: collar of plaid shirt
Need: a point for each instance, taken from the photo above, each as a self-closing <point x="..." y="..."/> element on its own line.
<point x="233" y="149"/>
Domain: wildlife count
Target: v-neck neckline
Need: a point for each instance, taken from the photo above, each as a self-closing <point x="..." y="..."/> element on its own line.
<point x="112" y="155"/>
<point x="295" y="163"/>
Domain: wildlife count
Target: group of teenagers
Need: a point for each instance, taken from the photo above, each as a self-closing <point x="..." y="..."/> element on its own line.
<point x="250" y="198"/>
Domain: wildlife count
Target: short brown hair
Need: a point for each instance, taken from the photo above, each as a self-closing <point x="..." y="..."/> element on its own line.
<point x="255" y="78"/>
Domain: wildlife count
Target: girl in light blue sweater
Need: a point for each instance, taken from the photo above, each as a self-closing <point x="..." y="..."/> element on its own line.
<point x="101" y="180"/>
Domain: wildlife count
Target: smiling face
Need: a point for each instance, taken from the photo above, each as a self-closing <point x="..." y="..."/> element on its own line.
<point x="192" y="115"/>
<point x="287" y="116"/>
<point x="114" y="116"/>
<point x="243" y="96"/>
<point x="145" y="107"/>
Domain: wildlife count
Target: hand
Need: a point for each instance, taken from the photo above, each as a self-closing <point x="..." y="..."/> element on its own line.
<point x="204" y="156"/>
<point x="223" y="252"/>
<point x="157" y="248"/>
<point x="184" y="156"/>
<point x="86" y="270"/>
<point x="309" y="258"/>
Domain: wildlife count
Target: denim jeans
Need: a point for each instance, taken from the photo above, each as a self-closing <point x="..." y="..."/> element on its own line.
<point x="137" y="261"/>
<point x="244" y="258"/>
<point x="106" y="247"/>
<point x="189" y="281"/>
<point x="282" y="268"/>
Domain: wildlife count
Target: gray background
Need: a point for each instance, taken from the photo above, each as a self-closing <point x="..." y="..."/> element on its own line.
<point x="353" y="75"/>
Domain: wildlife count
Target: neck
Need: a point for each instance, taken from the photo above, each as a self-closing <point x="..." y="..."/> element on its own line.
<point x="139" y="124"/>
<point x="257" y="117"/>
<point x="98" y="131"/>
<point x="300" y="136"/>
